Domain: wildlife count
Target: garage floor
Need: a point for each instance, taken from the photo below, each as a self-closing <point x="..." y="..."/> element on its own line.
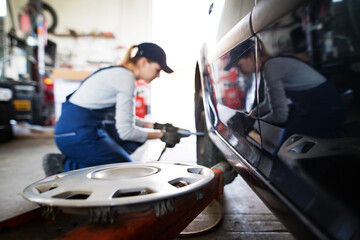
<point x="245" y="216"/>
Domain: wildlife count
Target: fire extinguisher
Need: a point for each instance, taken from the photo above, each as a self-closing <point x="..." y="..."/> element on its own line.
<point x="142" y="98"/>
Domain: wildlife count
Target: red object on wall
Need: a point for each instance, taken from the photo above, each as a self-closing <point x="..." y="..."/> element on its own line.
<point x="140" y="107"/>
<point x="142" y="100"/>
<point x="25" y="23"/>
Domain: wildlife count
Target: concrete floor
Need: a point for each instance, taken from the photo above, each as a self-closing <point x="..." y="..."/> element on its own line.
<point x="245" y="216"/>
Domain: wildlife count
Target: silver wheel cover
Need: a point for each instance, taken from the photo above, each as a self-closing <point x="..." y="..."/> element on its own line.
<point x="118" y="184"/>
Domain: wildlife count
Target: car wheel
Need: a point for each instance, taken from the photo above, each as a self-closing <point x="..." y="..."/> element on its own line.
<point x="207" y="153"/>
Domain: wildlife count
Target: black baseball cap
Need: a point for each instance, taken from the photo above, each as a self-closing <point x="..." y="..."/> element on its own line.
<point x="240" y="51"/>
<point x="155" y="53"/>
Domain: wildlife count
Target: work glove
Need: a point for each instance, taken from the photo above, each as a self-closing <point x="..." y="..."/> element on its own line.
<point x="168" y="127"/>
<point x="171" y="139"/>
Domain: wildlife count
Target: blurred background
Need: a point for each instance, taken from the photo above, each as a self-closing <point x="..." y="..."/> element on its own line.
<point x="48" y="47"/>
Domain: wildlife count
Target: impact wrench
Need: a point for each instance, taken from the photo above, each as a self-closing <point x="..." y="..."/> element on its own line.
<point x="183" y="133"/>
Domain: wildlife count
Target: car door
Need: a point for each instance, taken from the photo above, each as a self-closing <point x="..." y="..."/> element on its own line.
<point x="234" y="99"/>
<point x="229" y="96"/>
<point x="312" y="156"/>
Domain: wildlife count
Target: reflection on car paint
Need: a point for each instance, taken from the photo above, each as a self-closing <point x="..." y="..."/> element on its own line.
<point x="294" y="115"/>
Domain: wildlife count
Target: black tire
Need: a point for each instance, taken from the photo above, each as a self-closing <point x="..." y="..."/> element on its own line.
<point x="36" y="114"/>
<point x="6" y="133"/>
<point x="207" y="153"/>
<point x="7" y="113"/>
<point x="47" y="8"/>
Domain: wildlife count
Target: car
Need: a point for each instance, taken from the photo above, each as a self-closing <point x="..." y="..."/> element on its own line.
<point x="277" y="92"/>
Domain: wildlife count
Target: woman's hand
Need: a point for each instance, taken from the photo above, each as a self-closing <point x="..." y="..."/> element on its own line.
<point x="168" y="127"/>
<point x="171" y="139"/>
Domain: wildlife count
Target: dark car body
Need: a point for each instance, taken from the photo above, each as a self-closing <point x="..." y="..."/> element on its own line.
<point x="6" y="111"/>
<point x="306" y="168"/>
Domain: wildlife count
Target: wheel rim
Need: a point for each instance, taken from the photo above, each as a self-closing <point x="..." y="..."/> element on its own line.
<point x="118" y="184"/>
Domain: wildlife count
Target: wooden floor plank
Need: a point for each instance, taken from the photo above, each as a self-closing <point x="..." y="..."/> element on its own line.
<point x="244" y="217"/>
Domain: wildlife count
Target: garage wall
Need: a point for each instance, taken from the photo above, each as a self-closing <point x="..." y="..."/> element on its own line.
<point x="175" y="25"/>
<point x="129" y="21"/>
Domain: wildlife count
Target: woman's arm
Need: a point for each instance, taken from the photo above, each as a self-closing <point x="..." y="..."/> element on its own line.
<point x="155" y="135"/>
<point x="278" y="104"/>
<point x="275" y="108"/>
<point x="143" y="123"/>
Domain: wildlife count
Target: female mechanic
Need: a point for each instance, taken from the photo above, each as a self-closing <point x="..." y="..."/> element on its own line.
<point x="84" y="133"/>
